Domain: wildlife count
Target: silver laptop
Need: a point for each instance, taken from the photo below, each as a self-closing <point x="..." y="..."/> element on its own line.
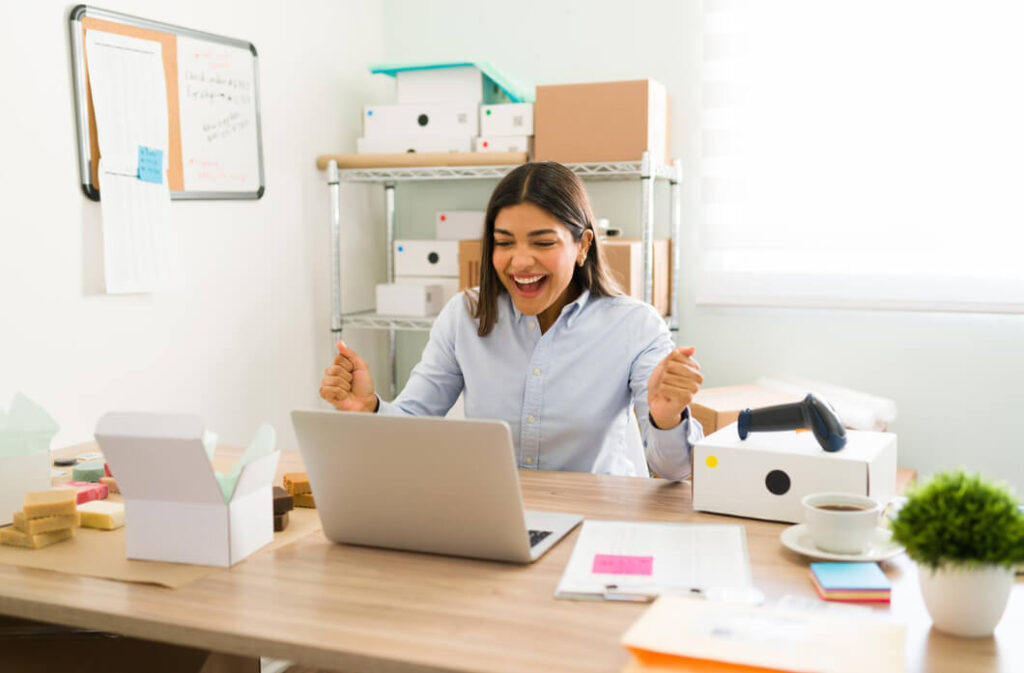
<point x="423" y="484"/>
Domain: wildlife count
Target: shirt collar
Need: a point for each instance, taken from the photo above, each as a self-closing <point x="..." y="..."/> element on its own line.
<point x="570" y="310"/>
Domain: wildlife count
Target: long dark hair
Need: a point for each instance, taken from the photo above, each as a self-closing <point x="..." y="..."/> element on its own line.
<point x="559" y="192"/>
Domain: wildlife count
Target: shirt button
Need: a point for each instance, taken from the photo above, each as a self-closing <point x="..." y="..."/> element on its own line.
<point x="536" y="372"/>
<point x="529" y="419"/>
<point x="529" y="461"/>
<point x="533" y="325"/>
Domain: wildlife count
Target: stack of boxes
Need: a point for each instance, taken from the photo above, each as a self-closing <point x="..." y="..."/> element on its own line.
<point x="450" y="107"/>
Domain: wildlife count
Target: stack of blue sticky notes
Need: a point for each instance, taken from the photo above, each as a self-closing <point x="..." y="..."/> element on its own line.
<point x="851" y="582"/>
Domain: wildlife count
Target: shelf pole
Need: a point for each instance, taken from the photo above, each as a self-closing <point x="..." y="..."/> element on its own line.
<point x="335" y="194"/>
<point x="647" y="221"/>
<point x="676" y="204"/>
<point x="389" y="219"/>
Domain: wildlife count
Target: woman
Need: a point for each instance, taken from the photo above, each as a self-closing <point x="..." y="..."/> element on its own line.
<point x="549" y="345"/>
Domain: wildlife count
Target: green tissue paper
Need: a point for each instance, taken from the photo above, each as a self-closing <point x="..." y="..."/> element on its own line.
<point x="262" y="444"/>
<point x="25" y="428"/>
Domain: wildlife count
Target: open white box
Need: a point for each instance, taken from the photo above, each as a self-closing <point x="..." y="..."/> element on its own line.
<point x="174" y="507"/>
<point x="766" y="475"/>
<point x="21" y="474"/>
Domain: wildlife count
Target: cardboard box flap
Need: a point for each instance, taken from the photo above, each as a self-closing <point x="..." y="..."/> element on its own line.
<point x="158" y="457"/>
<point x="257" y="474"/>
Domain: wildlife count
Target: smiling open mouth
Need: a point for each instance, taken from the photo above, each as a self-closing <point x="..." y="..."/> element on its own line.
<point x="529" y="285"/>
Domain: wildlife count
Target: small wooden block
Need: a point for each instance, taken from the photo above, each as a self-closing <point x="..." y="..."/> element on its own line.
<point x="15" y="538"/>
<point x="304" y="500"/>
<point x="55" y="502"/>
<point x="297" y="483"/>
<point x="280" y="522"/>
<point x="44" y="524"/>
<point x="282" y="501"/>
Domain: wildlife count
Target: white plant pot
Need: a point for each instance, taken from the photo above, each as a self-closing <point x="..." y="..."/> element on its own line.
<point x="966" y="601"/>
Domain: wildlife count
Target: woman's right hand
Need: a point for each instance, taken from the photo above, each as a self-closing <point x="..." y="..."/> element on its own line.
<point x="347" y="383"/>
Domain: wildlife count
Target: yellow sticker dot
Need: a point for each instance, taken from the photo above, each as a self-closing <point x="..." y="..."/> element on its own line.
<point x="711" y="462"/>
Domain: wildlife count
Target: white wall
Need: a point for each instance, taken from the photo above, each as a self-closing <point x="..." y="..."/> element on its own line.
<point x="956" y="378"/>
<point x="246" y="337"/>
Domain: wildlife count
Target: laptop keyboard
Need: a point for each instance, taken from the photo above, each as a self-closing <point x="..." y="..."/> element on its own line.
<point x="537" y="535"/>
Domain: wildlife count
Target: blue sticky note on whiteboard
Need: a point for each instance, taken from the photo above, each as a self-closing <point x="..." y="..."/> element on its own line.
<point x="151" y="165"/>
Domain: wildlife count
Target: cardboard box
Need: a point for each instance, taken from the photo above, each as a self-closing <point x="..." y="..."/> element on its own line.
<point x="503" y="144"/>
<point x="422" y="120"/>
<point x="604" y="121"/>
<point x="409" y="299"/>
<point x="470" y="253"/>
<point x="426" y="258"/>
<point x="449" y="284"/>
<point x="461" y="84"/>
<point x="512" y="119"/>
<point x="766" y="475"/>
<point x="400" y="144"/>
<point x="625" y="260"/>
<point x="458" y="225"/>
<point x="175" y="509"/>
<point x="717" y="407"/>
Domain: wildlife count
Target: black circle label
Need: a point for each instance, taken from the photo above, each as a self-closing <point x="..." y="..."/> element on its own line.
<point x="777" y="482"/>
<point x="423" y="120"/>
<point x="432" y="258"/>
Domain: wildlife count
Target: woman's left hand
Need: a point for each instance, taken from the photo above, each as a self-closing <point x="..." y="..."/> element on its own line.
<point x="672" y="385"/>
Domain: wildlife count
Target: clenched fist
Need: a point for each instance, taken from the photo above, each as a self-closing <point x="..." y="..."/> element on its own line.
<point x="347" y="383"/>
<point x="672" y="385"/>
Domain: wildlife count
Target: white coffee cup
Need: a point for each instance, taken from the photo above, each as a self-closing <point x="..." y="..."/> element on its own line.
<point x="841" y="523"/>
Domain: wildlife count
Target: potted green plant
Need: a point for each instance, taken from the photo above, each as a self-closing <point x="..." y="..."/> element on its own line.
<point x="966" y="534"/>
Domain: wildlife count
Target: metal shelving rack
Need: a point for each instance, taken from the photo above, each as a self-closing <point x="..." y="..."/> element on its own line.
<point x="645" y="170"/>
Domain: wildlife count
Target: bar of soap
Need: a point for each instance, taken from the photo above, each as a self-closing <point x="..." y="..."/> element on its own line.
<point x="282" y="501"/>
<point x="86" y="490"/>
<point x="15" y="538"/>
<point x="91" y="471"/>
<point x="44" y="524"/>
<point x="102" y="514"/>
<point x="110" y="483"/>
<point x="304" y="500"/>
<point x="280" y="522"/>
<point x="297" y="483"/>
<point x="55" y="502"/>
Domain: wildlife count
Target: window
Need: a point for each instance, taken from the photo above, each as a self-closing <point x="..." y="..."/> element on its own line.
<point x="863" y="154"/>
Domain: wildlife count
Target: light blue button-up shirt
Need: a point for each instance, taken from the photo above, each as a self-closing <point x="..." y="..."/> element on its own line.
<point x="567" y="394"/>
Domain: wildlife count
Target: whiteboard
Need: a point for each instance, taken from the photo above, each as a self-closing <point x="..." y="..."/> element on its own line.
<point x="213" y="102"/>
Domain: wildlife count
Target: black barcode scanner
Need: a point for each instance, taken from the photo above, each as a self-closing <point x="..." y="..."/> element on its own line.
<point x="813" y="413"/>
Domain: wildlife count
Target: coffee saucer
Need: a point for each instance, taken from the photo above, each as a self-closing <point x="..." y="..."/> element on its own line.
<point x="882" y="547"/>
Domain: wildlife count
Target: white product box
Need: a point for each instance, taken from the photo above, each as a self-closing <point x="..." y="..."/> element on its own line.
<point x="21" y="474"/>
<point x="397" y="144"/>
<point x="766" y="475"/>
<point x="457" y="225"/>
<point x="422" y="120"/>
<point x="411" y="299"/>
<point x="175" y="509"/>
<point x="503" y="144"/>
<point x="511" y="119"/>
<point x="426" y="258"/>
<point x="449" y="285"/>
<point x="459" y="84"/>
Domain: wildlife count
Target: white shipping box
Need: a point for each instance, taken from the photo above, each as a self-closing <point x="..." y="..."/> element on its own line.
<point x="175" y="509"/>
<point x="766" y="475"/>
<point x="449" y="284"/>
<point x="511" y="119"/>
<point x="409" y="299"/>
<point x="426" y="143"/>
<point x="424" y="119"/>
<point x="426" y="258"/>
<point x="462" y="84"/>
<point x="503" y="144"/>
<point x="457" y="225"/>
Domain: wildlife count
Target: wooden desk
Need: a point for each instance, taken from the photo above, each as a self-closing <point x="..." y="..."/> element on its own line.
<point x="361" y="609"/>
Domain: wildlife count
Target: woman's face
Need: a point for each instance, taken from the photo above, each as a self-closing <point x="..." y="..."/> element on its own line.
<point x="534" y="255"/>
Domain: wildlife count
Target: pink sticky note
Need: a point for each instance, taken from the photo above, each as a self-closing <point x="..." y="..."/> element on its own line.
<point x="616" y="564"/>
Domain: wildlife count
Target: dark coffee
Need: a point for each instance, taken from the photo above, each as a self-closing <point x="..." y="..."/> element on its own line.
<point x="841" y="508"/>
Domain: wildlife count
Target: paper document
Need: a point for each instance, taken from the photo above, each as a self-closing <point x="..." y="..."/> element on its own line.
<point x="619" y="560"/>
<point x="678" y="634"/>
<point x="129" y="95"/>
